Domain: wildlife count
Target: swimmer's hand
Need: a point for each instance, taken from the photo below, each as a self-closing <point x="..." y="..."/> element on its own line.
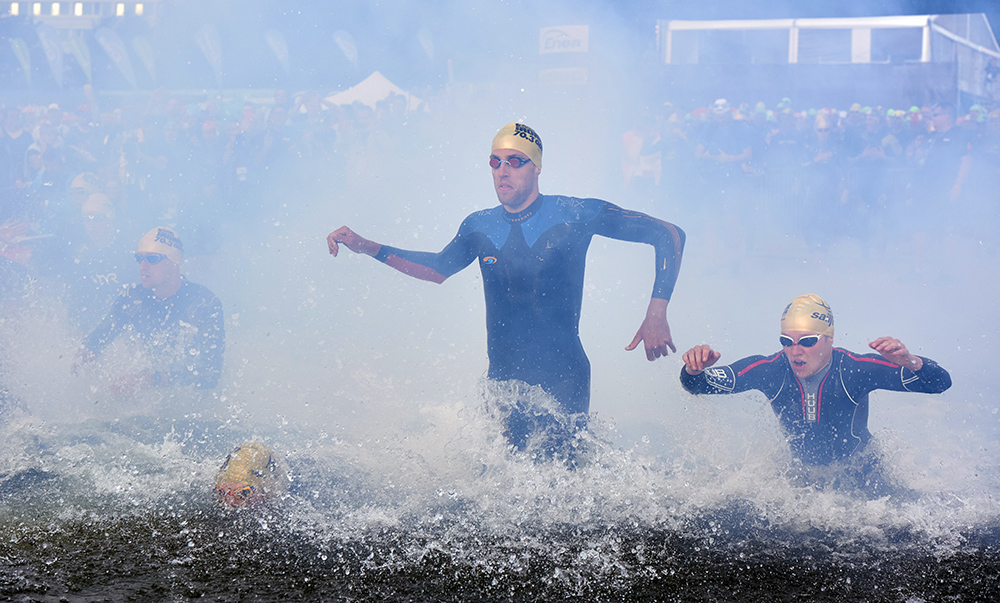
<point x="699" y="358"/>
<point x="352" y="241"/>
<point x="895" y="352"/>
<point x="654" y="331"/>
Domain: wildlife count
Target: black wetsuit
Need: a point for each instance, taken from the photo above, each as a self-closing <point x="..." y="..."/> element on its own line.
<point x="834" y="425"/>
<point x="184" y="333"/>
<point x="533" y="268"/>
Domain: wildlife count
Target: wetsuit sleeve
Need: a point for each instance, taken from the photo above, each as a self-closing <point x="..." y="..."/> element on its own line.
<point x="111" y="325"/>
<point x="872" y="372"/>
<point x="666" y="238"/>
<point x="753" y="372"/>
<point x="434" y="267"/>
<point x="205" y="358"/>
<point x="932" y="377"/>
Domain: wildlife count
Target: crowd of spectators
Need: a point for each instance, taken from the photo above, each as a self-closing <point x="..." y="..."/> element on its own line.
<point x="858" y="172"/>
<point x="77" y="183"/>
<point x="168" y="158"/>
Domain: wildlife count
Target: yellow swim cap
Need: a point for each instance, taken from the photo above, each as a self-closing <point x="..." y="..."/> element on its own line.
<point x="250" y="474"/>
<point x="520" y="138"/>
<point x="162" y="240"/>
<point x="808" y="313"/>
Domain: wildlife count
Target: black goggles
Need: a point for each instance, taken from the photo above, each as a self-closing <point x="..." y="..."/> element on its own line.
<point x="806" y="341"/>
<point x="514" y="162"/>
<point x="152" y="258"/>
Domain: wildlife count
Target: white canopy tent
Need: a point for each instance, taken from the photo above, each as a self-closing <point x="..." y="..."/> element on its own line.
<point x="369" y="91"/>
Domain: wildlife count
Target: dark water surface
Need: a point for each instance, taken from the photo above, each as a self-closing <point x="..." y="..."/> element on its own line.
<point x="202" y="554"/>
<point x="333" y="538"/>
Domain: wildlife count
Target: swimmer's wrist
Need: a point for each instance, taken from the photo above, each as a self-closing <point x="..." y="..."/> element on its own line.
<point x="657" y="306"/>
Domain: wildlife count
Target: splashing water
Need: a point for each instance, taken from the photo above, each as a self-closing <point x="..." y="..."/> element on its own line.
<point x="427" y="502"/>
<point x="402" y="488"/>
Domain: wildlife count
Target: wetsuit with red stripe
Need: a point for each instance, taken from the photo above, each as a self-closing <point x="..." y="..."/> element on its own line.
<point x="836" y="425"/>
<point x="533" y="269"/>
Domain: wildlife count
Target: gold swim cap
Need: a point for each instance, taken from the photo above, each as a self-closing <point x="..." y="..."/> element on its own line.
<point x="808" y="313"/>
<point x="250" y="474"/>
<point x="162" y="240"/>
<point x="520" y="138"/>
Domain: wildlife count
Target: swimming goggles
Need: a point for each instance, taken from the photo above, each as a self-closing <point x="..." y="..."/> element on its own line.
<point x="514" y="162"/>
<point x="152" y="258"/>
<point x="806" y="341"/>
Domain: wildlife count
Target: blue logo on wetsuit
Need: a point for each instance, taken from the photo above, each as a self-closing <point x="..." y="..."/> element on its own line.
<point x="489" y="260"/>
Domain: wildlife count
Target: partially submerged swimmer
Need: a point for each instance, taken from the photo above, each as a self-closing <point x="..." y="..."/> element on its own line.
<point x="250" y="475"/>
<point x="819" y="393"/>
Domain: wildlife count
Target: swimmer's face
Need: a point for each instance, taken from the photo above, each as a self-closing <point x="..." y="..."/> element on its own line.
<point x="806" y="362"/>
<point x="154" y="276"/>
<point x="516" y="187"/>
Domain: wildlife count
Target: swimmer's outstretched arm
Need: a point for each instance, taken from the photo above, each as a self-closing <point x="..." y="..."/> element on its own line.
<point x="699" y="358"/>
<point x="433" y="267"/>
<point x="654" y="331"/>
<point x="352" y="241"/>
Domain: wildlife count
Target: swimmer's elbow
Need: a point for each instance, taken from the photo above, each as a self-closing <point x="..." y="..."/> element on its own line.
<point x="681" y="237"/>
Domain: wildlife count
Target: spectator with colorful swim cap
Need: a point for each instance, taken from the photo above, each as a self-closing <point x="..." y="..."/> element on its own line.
<point x="532" y="251"/>
<point x="820" y="393"/>
<point x="178" y="323"/>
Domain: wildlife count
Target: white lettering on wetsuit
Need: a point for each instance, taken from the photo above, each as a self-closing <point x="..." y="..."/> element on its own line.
<point x="810" y="408"/>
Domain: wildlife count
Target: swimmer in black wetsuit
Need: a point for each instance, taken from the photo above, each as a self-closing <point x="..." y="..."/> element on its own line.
<point x="820" y="393"/>
<point x="180" y="323"/>
<point x="532" y="252"/>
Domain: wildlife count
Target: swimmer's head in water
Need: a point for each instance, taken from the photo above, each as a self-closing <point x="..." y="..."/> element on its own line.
<point x="250" y="474"/>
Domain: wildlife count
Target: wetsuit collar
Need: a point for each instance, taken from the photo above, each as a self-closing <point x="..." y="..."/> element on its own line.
<point x="525" y="213"/>
<point x="818" y="376"/>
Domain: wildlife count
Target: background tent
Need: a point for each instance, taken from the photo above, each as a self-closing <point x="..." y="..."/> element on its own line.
<point x="372" y="89"/>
